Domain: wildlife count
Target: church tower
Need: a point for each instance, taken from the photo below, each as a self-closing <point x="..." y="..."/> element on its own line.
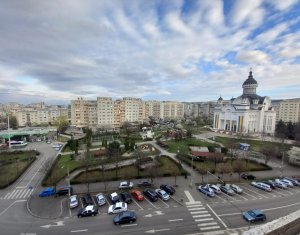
<point x="250" y="85"/>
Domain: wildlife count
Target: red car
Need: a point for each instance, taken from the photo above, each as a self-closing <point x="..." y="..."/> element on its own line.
<point x="137" y="195"/>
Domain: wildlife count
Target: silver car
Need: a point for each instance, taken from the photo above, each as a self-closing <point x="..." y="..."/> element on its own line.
<point x="162" y="194"/>
<point x="73" y="201"/>
<point x="236" y="188"/>
<point x="100" y="199"/>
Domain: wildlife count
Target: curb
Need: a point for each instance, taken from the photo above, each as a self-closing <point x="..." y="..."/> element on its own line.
<point x="42" y="217"/>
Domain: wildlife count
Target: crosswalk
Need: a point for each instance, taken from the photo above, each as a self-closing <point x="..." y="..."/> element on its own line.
<point x="17" y="194"/>
<point x="202" y="217"/>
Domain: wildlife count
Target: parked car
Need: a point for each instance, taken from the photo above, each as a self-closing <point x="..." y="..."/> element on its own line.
<point x="168" y="189"/>
<point x="236" y="188"/>
<point x="126" y="197"/>
<point x="100" y="199"/>
<point x="137" y="195"/>
<point x="215" y="188"/>
<point x="64" y="191"/>
<point x="150" y="194"/>
<point x="125" y="185"/>
<point x="280" y="184"/>
<point x="247" y="176"/>
<point x="294" y="181"/>
<point x="87" y="200"/>
<point x="287" y="182"/>
<point x="47" y="192"/>
<point x="114" y="197"/>
<point x="261" y="186"/>
<point x="270" y="183"/>
<point x="226" y="189"/>
<point x="117" y="208"/>
<point x="144" y="184"/>
<point x="162" y="194"/>
<point x="125" y="217"/>
<point x="206" y="190"/>
<point x="254" y="215"/>
<point x="73" y="201"/>
<point x="88" y="211"/>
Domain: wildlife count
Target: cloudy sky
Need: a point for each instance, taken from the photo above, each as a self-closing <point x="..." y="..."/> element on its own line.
<point x="186" y="50"/>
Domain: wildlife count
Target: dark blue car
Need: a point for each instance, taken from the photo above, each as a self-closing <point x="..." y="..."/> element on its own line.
<point x="254" y="216"/>
<point x="47" y="192"/>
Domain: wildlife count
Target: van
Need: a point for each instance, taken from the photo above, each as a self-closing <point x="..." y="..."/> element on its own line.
<point x="64" y="191"/>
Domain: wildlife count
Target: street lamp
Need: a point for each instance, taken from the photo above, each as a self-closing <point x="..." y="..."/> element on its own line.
<point x="68" y="177"/>
<point x="192" y="172"/>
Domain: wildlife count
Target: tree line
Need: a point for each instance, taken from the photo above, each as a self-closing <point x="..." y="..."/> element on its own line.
<point x="287" y="130"/>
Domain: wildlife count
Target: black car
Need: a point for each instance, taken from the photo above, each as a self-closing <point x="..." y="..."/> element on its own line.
<point x="114" y="197"/>
<point x="270" y="183"/>
<point x="64" y="191"/>
<point x="87" y="211"/>
<point x="247" y="176"/>
<point x="168" y="188"/>
<point x="145" y="184"/>
<point x="126" y="197"/>
<point x="87" y="200"/>
<point x="125" y="217"/>
<point x="150" y="194"/>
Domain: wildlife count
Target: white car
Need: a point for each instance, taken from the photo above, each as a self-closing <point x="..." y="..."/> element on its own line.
<point x="280" y="184"/>
<point x="162" y="194"/>
<point x="117" y="208"/>
<point x="261" y="186"/>
<point x="125" y="185"/>
<point x="100" y="199"/>
<point x="73" y="201"/>
<point x="236" y="188"/>
<point x="287" y="182"/>
<point x="215" y="188"/>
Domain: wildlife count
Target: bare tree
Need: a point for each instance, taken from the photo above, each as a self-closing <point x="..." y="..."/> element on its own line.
<point x="239" y="166"/>
<point x="224" y="168"/>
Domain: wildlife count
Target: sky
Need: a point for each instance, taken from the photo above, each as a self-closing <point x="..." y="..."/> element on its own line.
<point x="186" y="50"/>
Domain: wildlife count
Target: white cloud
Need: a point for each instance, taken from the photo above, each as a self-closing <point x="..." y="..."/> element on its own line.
<point x="252" y="57"/>
<point x="282" y="5"/>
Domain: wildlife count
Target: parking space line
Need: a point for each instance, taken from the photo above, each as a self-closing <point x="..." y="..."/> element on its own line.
<point x="293" y="189"/>
<point x="221" y="198"/>
<point x="151" y="203"/>
<point x="137" y="204"/>
<point x="167" y="206"/>
<point x="249" y="194"/>
<point x="277" y="192"/>
<point x="234" y="199"/>
<point x="257" y="193"/>
<point x="246" y="199"/>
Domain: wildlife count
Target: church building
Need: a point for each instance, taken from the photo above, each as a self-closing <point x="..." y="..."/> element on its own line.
<point x="248" y="113"/>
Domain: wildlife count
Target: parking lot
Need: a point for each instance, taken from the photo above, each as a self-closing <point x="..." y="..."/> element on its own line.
<point x="250" y="193"/>
<point x="144" y="205"/>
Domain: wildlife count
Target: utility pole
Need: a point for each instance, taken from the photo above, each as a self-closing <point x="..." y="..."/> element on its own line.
<point x="192" y="172"/>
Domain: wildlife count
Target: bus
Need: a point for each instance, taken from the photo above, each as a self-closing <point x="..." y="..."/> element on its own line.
<point x="17" y="144"/>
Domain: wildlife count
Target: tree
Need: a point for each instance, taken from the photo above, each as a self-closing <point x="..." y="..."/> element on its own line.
<point x="280" y="130"/>
<point x="126" y="144"/>
<point x="87" y="162"/>
<point x="114" y="152"/>
<point x="269" y="152"/>
<point x="127" y="128"/>
<point x="224" y="168"/>
<point x="132" y="144"/>
<point x="189" y="133"/>
<point x="138" y="155"/>
<point x="290" y="130"/>
<point x="239" y="166"/>
<point x="61" y="123"/>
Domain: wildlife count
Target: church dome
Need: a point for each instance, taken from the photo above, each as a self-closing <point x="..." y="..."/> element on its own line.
<point x="250" y="80"/>
<point x="220" y="99"/>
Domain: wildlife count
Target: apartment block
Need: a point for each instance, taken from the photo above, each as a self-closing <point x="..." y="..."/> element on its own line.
<point x="105" y="112"/>
<point x="288" y="110"/>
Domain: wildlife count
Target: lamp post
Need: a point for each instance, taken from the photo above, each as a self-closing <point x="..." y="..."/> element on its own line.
<point x="68" y="179"/>
<point x="192" y="172"/>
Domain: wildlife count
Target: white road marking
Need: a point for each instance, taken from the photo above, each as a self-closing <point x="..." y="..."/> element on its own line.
<point x="194" y="205"/>
<point x="6" y="195"/>
<point x="27" y="194"/>
<point x="141" y="208"/>
<point x="189" y="196"/>
<point x="217" y="216"/>
<point x="206" y="219"/>
<point x="151" y="203"/>
<point x="257" y="193"/>
<point x="128" y="225"/>
<point x="21" y="187"/>
<point x="167" y="206"/>
<point x="197" y="208"/>
<point x="11" y="196"/>
<point x="206" y="224"/>
<point x="11" y="206"/>
<point x="208" y="228"/>
<point x="18" y="194"/>
<point x="197" y="212"/>
<point x="221" y="198"/>
<point x="79" y="231"/>
<point x="174" y="220"/>
<point x="199" y="216"/>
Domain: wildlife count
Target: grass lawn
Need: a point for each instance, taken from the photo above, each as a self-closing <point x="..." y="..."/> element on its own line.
<point x="183" y="145"/>
<point x="13" y="165"/>
<point x="167" y="167"/>
<point x="255" y="145"/>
